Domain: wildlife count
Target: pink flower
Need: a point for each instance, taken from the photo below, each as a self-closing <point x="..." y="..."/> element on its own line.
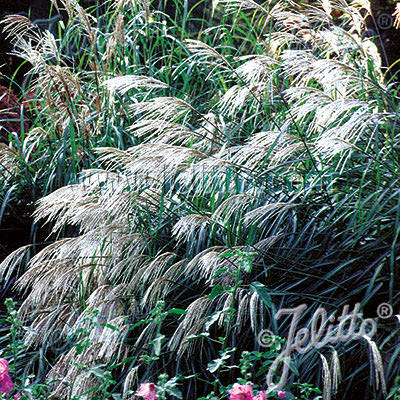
<point x="240" y="392"/>
<point x="6" y="384"/>
<point x="281" y="394"/>
<point x="3" y="367"/>
<point x="261" y="396"/>
<point x="147" y="390"/>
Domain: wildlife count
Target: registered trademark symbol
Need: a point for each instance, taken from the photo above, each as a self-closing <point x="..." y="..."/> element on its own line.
<point x="384" y="310"/>
<point x="385" y="21"/>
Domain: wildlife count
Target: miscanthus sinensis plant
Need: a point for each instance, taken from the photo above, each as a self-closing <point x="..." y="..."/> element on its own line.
<point x="65" y="96"/>
<point x="272" y="133"/>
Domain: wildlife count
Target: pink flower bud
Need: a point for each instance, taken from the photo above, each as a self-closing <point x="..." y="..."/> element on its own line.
<point x="240" y="392"/>
<point x="147" y="390"/>
<point x="261" y="396"/>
